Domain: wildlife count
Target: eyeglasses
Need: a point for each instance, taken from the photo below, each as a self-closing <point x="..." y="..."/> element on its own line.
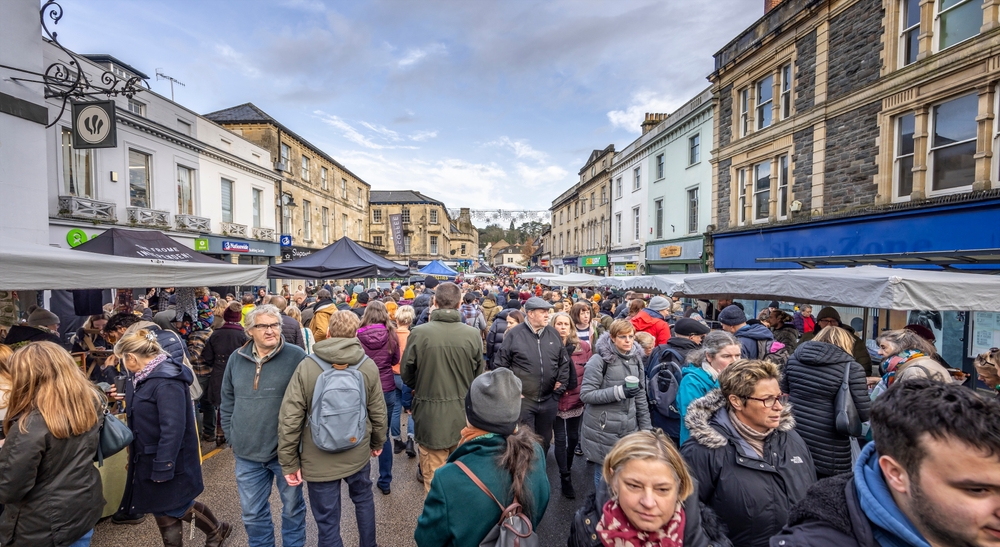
<point x="827" y="320"/>
<point x="265" y="328"/>
<point x="625" y="337"/>
<point x="769" y="402"/>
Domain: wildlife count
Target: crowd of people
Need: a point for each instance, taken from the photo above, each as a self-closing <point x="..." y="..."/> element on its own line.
<point x="701" y="425"/>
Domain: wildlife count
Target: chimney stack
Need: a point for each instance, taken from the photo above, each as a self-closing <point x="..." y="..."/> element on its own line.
<point x="770" y="5"/>
<point x="651" y="121"/>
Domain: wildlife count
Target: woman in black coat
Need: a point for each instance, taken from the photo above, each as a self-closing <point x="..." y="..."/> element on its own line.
<point x="164" y="473"/>
<point x="813" y="375"/>
<point x="224" y="341"/>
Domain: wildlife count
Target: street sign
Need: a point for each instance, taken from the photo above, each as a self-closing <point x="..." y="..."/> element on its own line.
<point x="286" y="240"/>
<point x="94" y="125"/>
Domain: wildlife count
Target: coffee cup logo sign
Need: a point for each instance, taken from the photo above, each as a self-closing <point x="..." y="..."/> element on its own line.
<point x="94" y="125"/>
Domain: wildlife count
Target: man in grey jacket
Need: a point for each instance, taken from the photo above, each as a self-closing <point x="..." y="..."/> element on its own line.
<point x="252" y="389"/>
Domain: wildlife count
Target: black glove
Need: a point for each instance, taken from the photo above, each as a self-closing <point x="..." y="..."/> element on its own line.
<point x="631" y="392"/>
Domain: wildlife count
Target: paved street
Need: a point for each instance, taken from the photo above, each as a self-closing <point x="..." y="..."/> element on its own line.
<point x="396" y="514"/>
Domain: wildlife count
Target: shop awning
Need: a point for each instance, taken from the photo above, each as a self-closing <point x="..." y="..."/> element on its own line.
<point x="863" y="286"/>
<point x="40" y="267"/>
<point x="949" y="260"/>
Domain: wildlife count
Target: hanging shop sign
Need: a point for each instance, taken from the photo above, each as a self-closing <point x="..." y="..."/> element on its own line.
<point x="670" y="251"/>
<point x="396" y="225"/>
<point x="94" y="125"/>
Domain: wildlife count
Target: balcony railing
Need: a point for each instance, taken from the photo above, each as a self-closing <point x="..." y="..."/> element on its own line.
<point x="233" y="229"/>
<point x="191" y="223"/>
<point x="148" y="217"/>
<point x="265" y="234"/>
<point x="86" y="208"/>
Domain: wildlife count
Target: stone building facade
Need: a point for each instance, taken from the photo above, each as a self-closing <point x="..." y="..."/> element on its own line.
<point x="844" y="112"/>
<point x="318" y="200"/>
<point x="429" y="233"/>
<point x="581" y="219"/>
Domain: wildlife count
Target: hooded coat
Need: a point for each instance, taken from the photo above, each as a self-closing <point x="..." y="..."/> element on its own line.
<point x="608" y="415"/>
<point x="749" y="336"/>
<point x="752" y="495"/>
<point x="695" y="384"/>
<point x="859" y="352"/>
<point x="494" y="338"/>
<point x="644" y="321"/>
<point x="490" y="310"/>
<point x="320" y="323"/>
<point x="571" y="398"/>
<point x="813" y="376"/>
<point x="382" y="345"/>
<point x="224" y="341"/>
<point x="829" y="516"/>
<point x="164" y="471"/>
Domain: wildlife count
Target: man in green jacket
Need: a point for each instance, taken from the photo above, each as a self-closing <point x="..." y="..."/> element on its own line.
<point x="441" y="359"/>
<point x="301" y="459"/>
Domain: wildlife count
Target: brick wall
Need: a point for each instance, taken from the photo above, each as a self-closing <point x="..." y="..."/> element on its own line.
<point x="722" y="188"/>
<point x="805" y="70"/>
<point x="803" y="160"/>
<point x="855" y="48"/>
<point x="726" y="115"/>
<point x="851" y="153"/>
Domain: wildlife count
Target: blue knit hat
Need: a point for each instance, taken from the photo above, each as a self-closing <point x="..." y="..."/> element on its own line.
<point x="732" y="316"/>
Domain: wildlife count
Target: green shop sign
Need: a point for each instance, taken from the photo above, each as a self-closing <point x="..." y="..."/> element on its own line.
<point x="594" y="261"/>
<point x="77" y="237"/>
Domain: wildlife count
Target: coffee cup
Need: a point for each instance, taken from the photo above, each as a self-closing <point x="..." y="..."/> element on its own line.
<point x="631" y="381"/>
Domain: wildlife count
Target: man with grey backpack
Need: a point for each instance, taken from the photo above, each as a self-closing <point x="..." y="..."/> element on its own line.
<point x="332" y="422"/>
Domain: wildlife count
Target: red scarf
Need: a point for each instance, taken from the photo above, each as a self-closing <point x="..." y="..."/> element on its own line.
<point x="616" y="530"/>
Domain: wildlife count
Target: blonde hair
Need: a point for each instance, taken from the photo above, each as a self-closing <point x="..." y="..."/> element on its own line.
<point x="5" y="353"/>
<point x="572" y="339"/>
<point x="838" y="337"/>
<point x="645" y="339"/>
<point x="647" y="445"/>
<point x="741" y="378"/>
<point x="294" y="313"/>
<point x="405" y="315"/>
<point x="141" y="343"/>
<point x="620" y="326"/>
<point x="44" y="377"/>
<point x="343" y="324"/>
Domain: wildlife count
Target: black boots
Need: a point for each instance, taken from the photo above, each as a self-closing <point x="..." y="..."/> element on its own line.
<point x="172" y="530"/>
<point x="410" y="451"/>
<point x="567" y="486"/>
<point x="398" y="446"/>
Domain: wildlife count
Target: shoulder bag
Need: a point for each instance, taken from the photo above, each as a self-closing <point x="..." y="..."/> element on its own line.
<point x="514" y="528"/>
<point x="846" y="414"/>
<point x="114" y="437"/>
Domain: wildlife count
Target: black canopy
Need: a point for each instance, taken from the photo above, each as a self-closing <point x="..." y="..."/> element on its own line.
<point x="143" y="244"/>
<point x="483" y="269"/>
<point x="535" y="269"/>
<point x="341" y="260"/>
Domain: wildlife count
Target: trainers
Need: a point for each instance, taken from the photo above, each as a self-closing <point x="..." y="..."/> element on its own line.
<point x="125" y="518"/>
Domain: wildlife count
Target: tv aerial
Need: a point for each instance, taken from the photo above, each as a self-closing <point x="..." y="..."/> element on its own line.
<point x="161" y="76"/>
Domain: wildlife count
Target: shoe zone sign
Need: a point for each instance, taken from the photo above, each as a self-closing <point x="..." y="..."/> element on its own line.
<point x="94" y="125"/>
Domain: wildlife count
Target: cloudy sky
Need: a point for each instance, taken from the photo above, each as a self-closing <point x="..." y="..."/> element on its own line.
<point x="484" y="104"/>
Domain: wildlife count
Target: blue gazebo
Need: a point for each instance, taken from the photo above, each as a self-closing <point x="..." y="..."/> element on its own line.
<point x="438" y="269"/>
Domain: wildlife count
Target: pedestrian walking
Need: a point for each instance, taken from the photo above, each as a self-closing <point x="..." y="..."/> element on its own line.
<point x="719" y="349"/>
<point x="671" y="358"/>
<point x="441" y="359"/>
<point x="534" y="352"/>
<point x="224" y="341"/>
<point x="49" y="486"/>
<point x="164" y="473"/>
<point x="614" y="392"/>
<point x="652" y="319"/>
<point x="505" y="457"/>
<point x="254" y="383"/>
<point x="812" y="378"/>
<point x="322" y="311"/>
<point x="422" y="303"/>
<point x="379" y="341"/>
<point x="898" y="348"/>
<point x="750" y="464"/>
<point x="566" y="430"/>
<point x="828" y="317"/>
<point x="290" y="328"/>
<point x="307" y="337"/>
<point x="322" y="470"/>
<point x="751" y="337"/>
<point x="404" y="395"/>
<point x="494" y="337"/>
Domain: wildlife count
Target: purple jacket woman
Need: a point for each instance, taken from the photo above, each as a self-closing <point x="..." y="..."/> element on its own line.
<point x="382" y="345"/>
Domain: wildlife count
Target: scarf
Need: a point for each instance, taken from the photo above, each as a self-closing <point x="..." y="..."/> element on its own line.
<point x="754" y="438"/>
<point x="471" y="432"/>
<point x="890" y="526"/>
<point x="710" y="370"/>
<point x="469" y="313"/>
<point x="890" y="365"/>
<point x="615" y="529"/>
<point x="148" y="369"/>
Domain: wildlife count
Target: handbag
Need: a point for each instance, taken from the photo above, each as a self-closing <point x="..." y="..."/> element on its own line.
<point x="114" y="437"/>
<point x="514" y="528"/>
<point x="847" y="420"/>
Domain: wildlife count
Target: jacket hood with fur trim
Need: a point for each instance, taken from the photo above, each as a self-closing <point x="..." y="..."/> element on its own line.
<point x="705" y="430"/>
<point x="606" y="349"/>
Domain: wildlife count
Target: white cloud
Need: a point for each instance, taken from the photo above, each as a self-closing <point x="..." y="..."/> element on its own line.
<point x="355" y="136"/>
<point x="237" y="60"/>
<point x="383" y="131"/>
<point x="520" y="148"/>
<point x="415" y="55"/>
<point x="421" y="136"/>
<point x="540" y="176"/>
<point x="305" y="5"/>
<point x="642" y="101"/>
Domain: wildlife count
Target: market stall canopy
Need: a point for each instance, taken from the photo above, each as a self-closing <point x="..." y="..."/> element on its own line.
<point x="482" y="271"/>
<point x="864" y="286"/>
<point x="438" y="269"/>
<point x="534" y="276"/>
<point x="143" y="244"/>
<point x="578" y="280"/>
<point x="341" y="260"/>
<point x="664" y="283"/>
<point x="40" y="267"/>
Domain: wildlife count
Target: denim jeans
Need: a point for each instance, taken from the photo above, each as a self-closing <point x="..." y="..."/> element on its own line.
<point x="395" y="422"/>
<point x="385" y="458"/>
<point x="324" y="499"/>
<point x="254" y="480"/>
<point x="83" y="541"/>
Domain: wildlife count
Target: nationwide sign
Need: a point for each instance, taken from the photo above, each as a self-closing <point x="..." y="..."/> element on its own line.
<point x="396" y="225"/>
<point x="235" y="247"/>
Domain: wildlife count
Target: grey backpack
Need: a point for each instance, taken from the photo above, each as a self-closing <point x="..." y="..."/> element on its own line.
<point x="339" y="417"/>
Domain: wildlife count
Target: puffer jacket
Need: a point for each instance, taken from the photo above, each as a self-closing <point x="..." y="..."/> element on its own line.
<point x="538" y="360"/>
<point x="608" y="415"/>
<point x="813" y="375"/>
<point x="571" y="399"/>
<point x="382" y="345"/>
<point x="494" y="338"/>
<point x="50" y="488"/>
<point x="320" y="323"/>
<point x="749" y="337"/>
<point x="652" y="322"/>
<point x="421" y="303"/>
<point x="859" y="352"/>
<point x="753" y="496"/>
<point x="787" y="334"/>
<point x="490" y="311"/>
<point x="292" y="331"/>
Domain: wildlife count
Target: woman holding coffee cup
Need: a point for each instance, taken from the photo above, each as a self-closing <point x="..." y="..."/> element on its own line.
<point x="613" y="391"/>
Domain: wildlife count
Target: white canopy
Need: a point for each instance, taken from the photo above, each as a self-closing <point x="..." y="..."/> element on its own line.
<point x="663" y="283"/>
<point x="535" y="275"/>
<point x="577" y="280"/>
<point x="40" y="267"/>
<point x="863" y="286"/>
